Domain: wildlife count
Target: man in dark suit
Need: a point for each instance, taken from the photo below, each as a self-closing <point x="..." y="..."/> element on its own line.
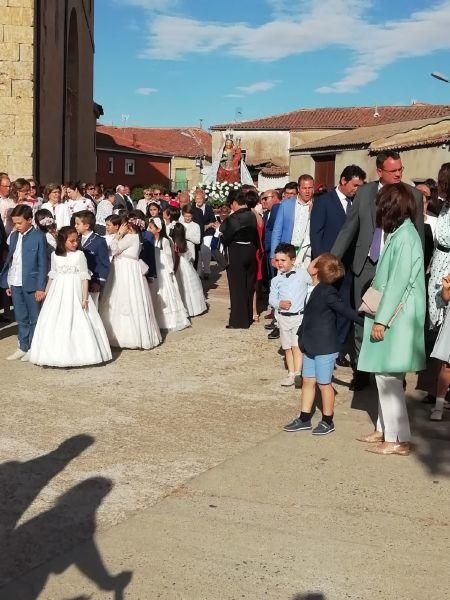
<point x="360" y="229"/>
<point x="327" y="219"/>
<point x="121" y="201"/>
<point x="208" y="229"/>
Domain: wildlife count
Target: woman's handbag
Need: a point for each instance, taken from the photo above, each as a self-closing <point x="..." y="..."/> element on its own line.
<point x="371" y="301"/>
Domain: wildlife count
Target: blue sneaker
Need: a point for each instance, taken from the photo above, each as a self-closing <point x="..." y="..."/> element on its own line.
<point x="297" y="425"/>
<point x="323" y="428"/>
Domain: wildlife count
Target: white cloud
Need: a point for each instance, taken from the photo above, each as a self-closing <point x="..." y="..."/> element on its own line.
<point x="234" y="95"/>
<point x="259" y="86"/>
<point x="307" y="26"/>
<point x="146" y="91"/>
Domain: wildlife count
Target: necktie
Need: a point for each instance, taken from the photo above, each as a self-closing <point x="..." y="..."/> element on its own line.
<point x="349" y="206"/>
<point x="375" y="247"/>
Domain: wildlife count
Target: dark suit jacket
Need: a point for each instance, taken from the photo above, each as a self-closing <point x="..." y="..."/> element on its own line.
<point x="318" y="332"/>
<point x="268" y="227"/>
<point x="327" y="219"/>
<point x="148" y="253"/>
<point x="3" y="244"/>
<point x="97" y="258"/>
<point x="197" y="217"/>
<point x="35" y="265"/>
<point x="240" y="226"/>
<point x="360" y="224"/>
<point x="207" y="217"/>
<point x="122" y="203"/>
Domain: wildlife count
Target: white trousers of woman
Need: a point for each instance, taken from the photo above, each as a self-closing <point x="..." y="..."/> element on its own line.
<point x="393" y="420"/>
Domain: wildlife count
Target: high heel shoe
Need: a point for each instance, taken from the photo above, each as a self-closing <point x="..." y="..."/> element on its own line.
<point x="400" y="448"/>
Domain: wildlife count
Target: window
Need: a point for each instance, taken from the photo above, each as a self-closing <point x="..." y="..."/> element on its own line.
<point x="110" y="165"/>
<point x="129" y="166"/>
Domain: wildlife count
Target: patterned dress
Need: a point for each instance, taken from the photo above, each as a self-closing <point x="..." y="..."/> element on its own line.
<point x="440" y="266"/>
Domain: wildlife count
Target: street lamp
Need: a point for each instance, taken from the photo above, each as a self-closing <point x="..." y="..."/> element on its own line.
<point x="441" y="77"/>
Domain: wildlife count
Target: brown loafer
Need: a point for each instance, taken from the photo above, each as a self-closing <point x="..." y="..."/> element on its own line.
<point x="372" y="438"/>
<point x="400" y="448"/>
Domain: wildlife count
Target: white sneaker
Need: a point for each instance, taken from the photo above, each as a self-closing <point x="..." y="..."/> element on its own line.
<point x="290" y="380"/>
<point x="17" y="354"/>
<point x="26" y="357"/>
<point x="436" y="415"/>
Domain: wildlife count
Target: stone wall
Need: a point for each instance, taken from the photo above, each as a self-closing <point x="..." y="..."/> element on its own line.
<point x="16" y="87"/>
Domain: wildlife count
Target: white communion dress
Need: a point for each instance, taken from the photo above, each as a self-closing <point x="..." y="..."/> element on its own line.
<point x="125" y="304"/>
<point x="170" y="311"/>
<point x="190" y="286"/>
<point x="66" y="335"/>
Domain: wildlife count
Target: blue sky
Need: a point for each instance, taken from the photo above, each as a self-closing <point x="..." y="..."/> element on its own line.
<point x="174" y="62"/>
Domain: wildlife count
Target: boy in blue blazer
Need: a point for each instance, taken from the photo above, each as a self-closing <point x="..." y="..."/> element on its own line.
<point x="95" y="250"/>
<point x="24" y="276"/>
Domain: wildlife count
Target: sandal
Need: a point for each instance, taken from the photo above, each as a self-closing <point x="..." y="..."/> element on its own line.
<point x="436" y="415"/>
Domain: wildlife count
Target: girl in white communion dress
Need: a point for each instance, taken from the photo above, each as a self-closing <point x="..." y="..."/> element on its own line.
<point x="69" y="331"/>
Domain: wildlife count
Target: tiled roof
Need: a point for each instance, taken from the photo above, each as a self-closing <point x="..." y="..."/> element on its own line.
<point x="174" y="141"/>
<point x="364" y="136"/>
<point x="341" y="118"/>
<point x="274" y="171"/>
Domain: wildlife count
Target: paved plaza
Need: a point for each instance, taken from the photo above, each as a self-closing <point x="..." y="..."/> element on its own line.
<point x="165" y="474"/>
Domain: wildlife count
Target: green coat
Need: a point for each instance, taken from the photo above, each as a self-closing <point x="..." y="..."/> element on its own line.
<point x="400" y="276"/>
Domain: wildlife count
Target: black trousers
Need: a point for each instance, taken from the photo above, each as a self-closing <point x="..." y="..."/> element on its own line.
<point x="241" y="279"/>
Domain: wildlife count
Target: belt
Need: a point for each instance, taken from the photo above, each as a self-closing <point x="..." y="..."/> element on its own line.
<point x="442" y="248"/>
<point x="290" y="314"/>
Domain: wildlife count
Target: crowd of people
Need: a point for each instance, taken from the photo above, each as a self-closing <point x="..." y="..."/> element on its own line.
<point x="85" y="274"/>
<point x="356" y="276"/>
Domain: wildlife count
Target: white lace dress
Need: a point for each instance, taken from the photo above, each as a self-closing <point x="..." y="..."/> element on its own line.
<point x="191" y="288"/>
<point x="66" y="335"/>
<point x="169" y="308"/>
<point x="125" y="304"/>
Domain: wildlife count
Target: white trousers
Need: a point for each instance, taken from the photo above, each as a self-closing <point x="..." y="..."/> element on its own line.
<point x="204" y="257"/>
<point x="393" y="418"/>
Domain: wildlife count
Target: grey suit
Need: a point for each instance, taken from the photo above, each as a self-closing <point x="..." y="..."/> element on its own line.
<point x="359" y="228"/>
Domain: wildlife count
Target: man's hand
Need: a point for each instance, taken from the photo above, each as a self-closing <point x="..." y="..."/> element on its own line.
<point x="39" y="296"/>
<point x="285" y="304"/>
<point x="8" y="292"/>
<point x="377" y="333"/>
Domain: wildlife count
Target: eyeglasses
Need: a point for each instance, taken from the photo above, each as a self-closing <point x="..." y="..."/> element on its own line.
<point x="147" y="193"/>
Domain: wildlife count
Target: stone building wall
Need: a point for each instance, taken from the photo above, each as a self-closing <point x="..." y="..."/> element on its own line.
<point x="16" y="87"/>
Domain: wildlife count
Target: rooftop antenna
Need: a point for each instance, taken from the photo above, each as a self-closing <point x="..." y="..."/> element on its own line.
<point x="376" y="114"/>
<point x="125" y="120"/>
<point x="201" y="123"/>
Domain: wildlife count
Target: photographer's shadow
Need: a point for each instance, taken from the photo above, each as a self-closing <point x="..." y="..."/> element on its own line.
<point x="49" y="538"/>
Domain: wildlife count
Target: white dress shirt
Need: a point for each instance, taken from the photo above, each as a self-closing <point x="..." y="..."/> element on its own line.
<point x="343" y="198"/>
<point x="60" y="212"/>
<point x="300" y="231"/>
<point x="15" y="269"/>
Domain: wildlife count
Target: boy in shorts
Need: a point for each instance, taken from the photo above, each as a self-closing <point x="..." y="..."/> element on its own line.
<point x="318" y="338"/>
<point x="287" y="297"/>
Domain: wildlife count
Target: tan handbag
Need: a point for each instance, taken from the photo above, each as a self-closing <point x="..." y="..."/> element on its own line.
<point x="371" y="301"/>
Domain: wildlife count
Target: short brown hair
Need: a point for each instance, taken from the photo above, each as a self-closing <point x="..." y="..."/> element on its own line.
<point x="395" y="204"/>
<point x="444" y="181"/>
<point x="329" y="268"/>
<point x="86" y="217"/>
<point x="50" y="187"/>
<point x="305" y="177"/>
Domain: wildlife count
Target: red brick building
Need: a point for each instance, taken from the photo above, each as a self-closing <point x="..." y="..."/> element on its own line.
<point x="138" y="156"/>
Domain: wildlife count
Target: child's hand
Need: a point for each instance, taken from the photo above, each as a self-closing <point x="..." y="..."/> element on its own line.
<point x="446" y="282"/>
<point x="8" y="292"/>
<point x="285" y="304"/>
<point x="85" y="304"/>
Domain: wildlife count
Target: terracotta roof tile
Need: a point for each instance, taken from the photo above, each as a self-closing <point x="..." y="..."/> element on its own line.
<point x="180" y="141"/>
<point x="341" y="118"/>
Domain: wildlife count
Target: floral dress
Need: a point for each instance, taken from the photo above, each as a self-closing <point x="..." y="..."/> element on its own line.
<point x="440" y="266"/>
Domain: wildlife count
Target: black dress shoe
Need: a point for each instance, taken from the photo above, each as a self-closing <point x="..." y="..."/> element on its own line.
<point x="341" y="361"/>
<point x="270" y="326"/>
<point x="274" y="334"/>
<point x="359" y="382"/>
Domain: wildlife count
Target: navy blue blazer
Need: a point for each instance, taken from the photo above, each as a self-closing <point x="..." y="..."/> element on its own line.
<point x="318" y="333"/>
<point x="97" y="257"/>
<point x="207" y="217"/>
<point x="34" y="261"/>
<point x="327" y="219"/>
<point x="268" y="228"/>
<point x="148" y="253"/>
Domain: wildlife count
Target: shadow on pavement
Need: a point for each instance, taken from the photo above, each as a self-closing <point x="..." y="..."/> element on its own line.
<point x="50" y="535"/>
<point x="309" y="596"/>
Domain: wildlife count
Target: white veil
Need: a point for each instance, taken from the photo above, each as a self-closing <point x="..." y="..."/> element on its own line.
<point x="210" y="174"/>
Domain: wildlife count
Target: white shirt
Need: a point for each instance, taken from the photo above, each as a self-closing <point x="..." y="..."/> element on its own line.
<point x="60" y="212"/>
<point x="192" y="235"/>
<point x="300" y="231"/>
<point x="104" y="209"/>
<point x="85" y="237"/>
<point x="80" y="204"/>
<point x="15" y="270"/>
<point x="343" y="198"/>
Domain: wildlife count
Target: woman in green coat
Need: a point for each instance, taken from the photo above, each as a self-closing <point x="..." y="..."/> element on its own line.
<point x="393" y="342"/>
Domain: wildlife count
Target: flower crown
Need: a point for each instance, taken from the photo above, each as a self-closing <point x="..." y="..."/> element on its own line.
<point x="137" y="222"/>
<point x="47" y="221"/>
